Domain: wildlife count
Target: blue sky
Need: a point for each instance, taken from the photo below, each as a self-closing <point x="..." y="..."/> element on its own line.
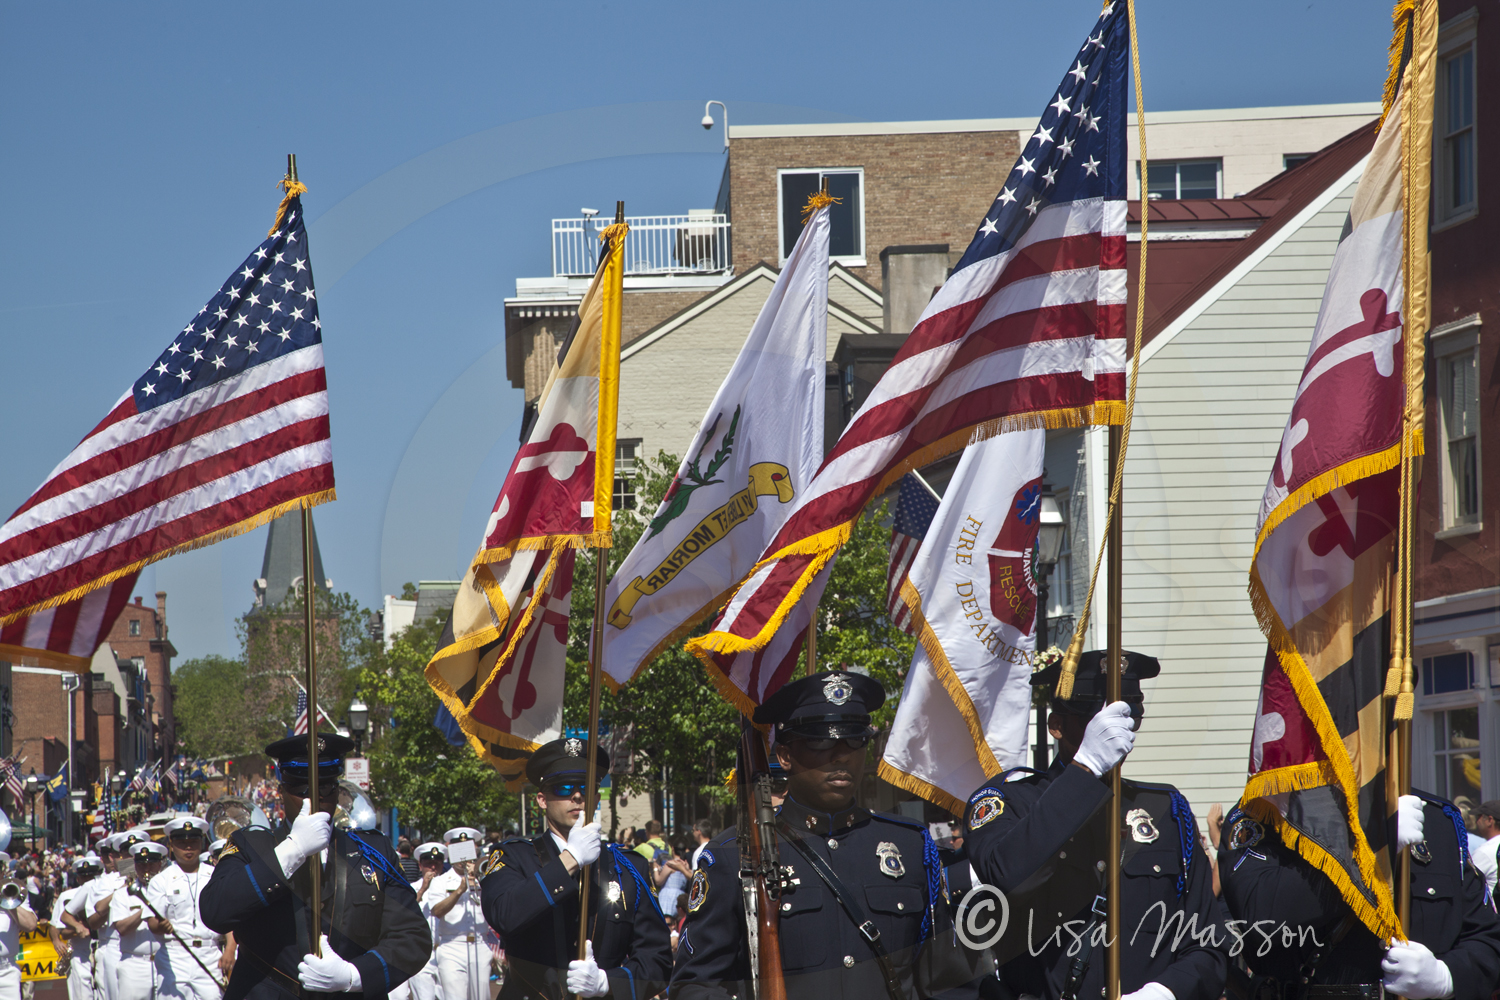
<point x="142" y="143"/>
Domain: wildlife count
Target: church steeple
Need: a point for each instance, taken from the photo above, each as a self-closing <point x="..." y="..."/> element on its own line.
<point x="281" y="569"/>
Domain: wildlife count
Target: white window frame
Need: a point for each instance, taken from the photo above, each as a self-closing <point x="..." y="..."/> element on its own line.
<point x="857" y="260"/>
<point x="1457" y="34"/>
<point x="1484" y="695"/>
<point x="1448" y="341"/>
<point x="625" y="469"/>
<point x="1177" y="162"/>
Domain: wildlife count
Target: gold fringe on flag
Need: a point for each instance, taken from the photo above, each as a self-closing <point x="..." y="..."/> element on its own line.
<point x="293" y="188"/>
<point x="1405" y="10"/>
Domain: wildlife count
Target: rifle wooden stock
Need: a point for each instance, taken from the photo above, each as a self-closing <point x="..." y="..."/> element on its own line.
<point x="758" y="835"/>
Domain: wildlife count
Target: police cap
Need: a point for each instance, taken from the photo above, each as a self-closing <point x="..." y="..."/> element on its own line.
<point x="830" y="705"/>
<point x="1089" y="681"/>
<point x="290" y="755"/>
<point x="563" y="758"/>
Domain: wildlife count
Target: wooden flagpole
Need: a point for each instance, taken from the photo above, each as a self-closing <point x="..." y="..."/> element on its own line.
<point x="596" y="693"/>
<point x="1114" y="628"/>
<point x="309" y="647"/>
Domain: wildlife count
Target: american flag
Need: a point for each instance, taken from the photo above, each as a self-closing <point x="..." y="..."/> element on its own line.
<point x="141" y="779"/>
<point x="12" y="775"/>
<point x="1028" y="331"/>
<point x="299" y="728"/>
<point x="916" y="505"/>
<point x="227" y="428"/>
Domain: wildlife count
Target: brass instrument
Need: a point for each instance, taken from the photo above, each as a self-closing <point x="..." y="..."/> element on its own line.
<point x="12" y="895"/>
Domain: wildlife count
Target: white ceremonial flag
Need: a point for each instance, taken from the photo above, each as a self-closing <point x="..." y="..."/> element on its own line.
<point x="964" y="713"/>
<point x="757" y="447"/>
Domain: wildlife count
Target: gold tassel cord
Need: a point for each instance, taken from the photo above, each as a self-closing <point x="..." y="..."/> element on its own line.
<point x="1405" y="10"/>
<point x="1075" y="646"/>
<point x="817" y="200"/>
<point x="293" y="189"/>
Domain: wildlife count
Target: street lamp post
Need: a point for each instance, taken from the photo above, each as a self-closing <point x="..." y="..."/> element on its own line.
<point x="1049" y="541"/>
<point x="31" y="785"/>
<point x="359" y="724"/>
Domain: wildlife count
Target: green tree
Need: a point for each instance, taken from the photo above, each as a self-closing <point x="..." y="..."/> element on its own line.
<point x="221" y="712"/>
<point x="433" y="785"/>
<point x="273" y="646"/>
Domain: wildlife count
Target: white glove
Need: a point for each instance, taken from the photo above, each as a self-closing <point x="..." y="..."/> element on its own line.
<point x="1414" y="972"/>
<point x="329" y="974"/>
<point x="1109" y="737"/>
<point x="1151" y="991"/>
<point x="1408" y="821"/>
<point x="586" y="978"/>
<point x="583" y="841"/>
<point x="310" y="834"/>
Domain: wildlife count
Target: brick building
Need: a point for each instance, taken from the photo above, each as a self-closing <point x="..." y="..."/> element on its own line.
<point x="1456" y="733"/>
<point x="140" y="635"/>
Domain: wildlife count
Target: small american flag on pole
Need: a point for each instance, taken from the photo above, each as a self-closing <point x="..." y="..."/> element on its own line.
<point x="916" y="505"/>
<point x="299" y="728"/>
<point x="227" y="429"/>
<point x="12" y="778"/>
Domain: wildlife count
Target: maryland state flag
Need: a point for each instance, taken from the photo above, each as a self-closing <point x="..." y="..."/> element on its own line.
<point x="499" y="665"/>
<point x="1322" y="579"/>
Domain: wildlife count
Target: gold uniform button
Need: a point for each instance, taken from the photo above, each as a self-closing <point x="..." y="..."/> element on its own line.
<point x="833" y="845"/>
<point x="848" y="961"/>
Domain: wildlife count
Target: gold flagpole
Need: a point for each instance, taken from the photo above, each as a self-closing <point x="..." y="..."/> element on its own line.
<point x="596" y="657"/>
<point x="309" y="649"/>
<point x="1114" y="627"/>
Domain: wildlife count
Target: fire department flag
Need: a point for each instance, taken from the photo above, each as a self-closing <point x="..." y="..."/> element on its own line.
<point x="1321" y="579"/>
<point x="499" y="665"/>
<point x="963" y="715"/>
<point x="760" y="442"/>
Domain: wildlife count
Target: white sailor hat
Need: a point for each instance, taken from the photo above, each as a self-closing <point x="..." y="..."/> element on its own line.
<point x="148" y="850"/>
<point x="462" y="833"/>
<point x="217" y="846"/>
<point x="430" y="850"/>
<point x="187" y="824"/>
<point x="126" y="840"/>
<point x="86" y="861"/>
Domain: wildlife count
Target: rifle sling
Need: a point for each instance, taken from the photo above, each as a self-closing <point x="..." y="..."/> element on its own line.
<point x="862" y="921"/>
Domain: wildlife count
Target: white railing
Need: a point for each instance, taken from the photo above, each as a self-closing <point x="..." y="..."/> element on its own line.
<point x="696" y="243"/>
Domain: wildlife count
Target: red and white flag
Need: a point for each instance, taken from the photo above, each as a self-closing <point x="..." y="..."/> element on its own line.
<point x="226" y="430"/>
<point x="1028" y="332"/>
<point x="1321" y="580"/>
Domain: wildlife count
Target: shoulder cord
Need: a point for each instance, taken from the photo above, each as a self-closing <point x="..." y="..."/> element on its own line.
<point x="379" y="860"/>
<point x="1451" y="811"/>
<point x="933" y="863"/>
<point x="1187" y="829"/>
<point x="623" y="862"/>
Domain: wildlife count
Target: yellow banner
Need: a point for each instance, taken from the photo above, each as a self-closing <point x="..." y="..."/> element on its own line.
<point x="39" y="960"/>
<point x="766" y="479"/>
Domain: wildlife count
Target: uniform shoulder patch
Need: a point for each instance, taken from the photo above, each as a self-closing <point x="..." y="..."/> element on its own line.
<point x="706" y="858"/>
<point x="1245" y="832"/>
<point x="229" y="848"/>
<point x="698" y="891"/>
<point x="493" y="863"/>
<point x="985" y="806"/>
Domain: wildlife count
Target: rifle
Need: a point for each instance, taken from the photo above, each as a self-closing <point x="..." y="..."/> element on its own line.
<point x="762" y="876"/>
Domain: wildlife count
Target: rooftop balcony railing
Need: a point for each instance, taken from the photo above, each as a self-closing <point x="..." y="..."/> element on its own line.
<point x="696" y="243"/>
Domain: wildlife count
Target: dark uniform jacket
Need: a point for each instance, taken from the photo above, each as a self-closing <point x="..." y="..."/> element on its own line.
<point x="1041" y="839"/>
<point x="1264" y="880"/>
<point x="532" y="903"/>
<point x="888" y="862"/>
<point x="371" y="919"/>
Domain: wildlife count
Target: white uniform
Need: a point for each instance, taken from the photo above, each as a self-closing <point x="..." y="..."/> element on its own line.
<point x="10" y="950"/>
<point x="106" y="940"/>
<point x="81" y="966"/>
<point x="424" y="985"/>
<point x="138" y="973"/>
<point x="175" y="893"/>
<point x="463" y="957"/>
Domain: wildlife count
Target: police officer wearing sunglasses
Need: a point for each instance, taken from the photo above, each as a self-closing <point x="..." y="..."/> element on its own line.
<point x="374" y="935"/>
<point x="886" y="873"/>
<point x="529" y="893"/>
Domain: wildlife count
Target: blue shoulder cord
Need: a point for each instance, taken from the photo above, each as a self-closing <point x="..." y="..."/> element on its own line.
<point x="623" y="862"/>
<point x="933" y="862"/>
<point x="373" y="855"/>
<point x="1187" y="829"/>
<point x="1451" y="811"/>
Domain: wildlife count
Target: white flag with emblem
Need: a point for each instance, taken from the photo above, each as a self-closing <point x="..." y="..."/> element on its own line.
<point x="964" y="713"/>
<point x="759" y="444"/>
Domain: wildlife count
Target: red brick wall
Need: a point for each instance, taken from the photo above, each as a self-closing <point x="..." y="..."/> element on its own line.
<point x="154" y="646"/>
<point x="925" y="188"/>
<point x="41" y="708"/>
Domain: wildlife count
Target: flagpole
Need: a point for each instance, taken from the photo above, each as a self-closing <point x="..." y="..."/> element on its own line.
<point x="812" y="644"/>
<point x="309" y="647"/>
<point x="596" y="694"/>
<point x="1113" y="644"/>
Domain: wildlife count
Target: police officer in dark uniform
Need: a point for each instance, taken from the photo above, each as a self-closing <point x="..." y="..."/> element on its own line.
<point x="886" y="868"/>
<point x="1041" y="839"/>
<point x="529" y="893"/>
<point x="373" y="935"/>
<point x="1454" y="949"/>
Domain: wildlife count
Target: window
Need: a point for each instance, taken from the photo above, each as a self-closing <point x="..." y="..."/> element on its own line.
<point x="1455" y="742"/>
<point x="135" y="626"/>
<point x="846" y="239"/>
<point x="1290" y="160"/>
<point x="625" y="454"/>
<point x="1173" y="180"/>
<point x="1449" y="672"/>
<point x="1456" y="195"/>
<point x="1455" y="347"/>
